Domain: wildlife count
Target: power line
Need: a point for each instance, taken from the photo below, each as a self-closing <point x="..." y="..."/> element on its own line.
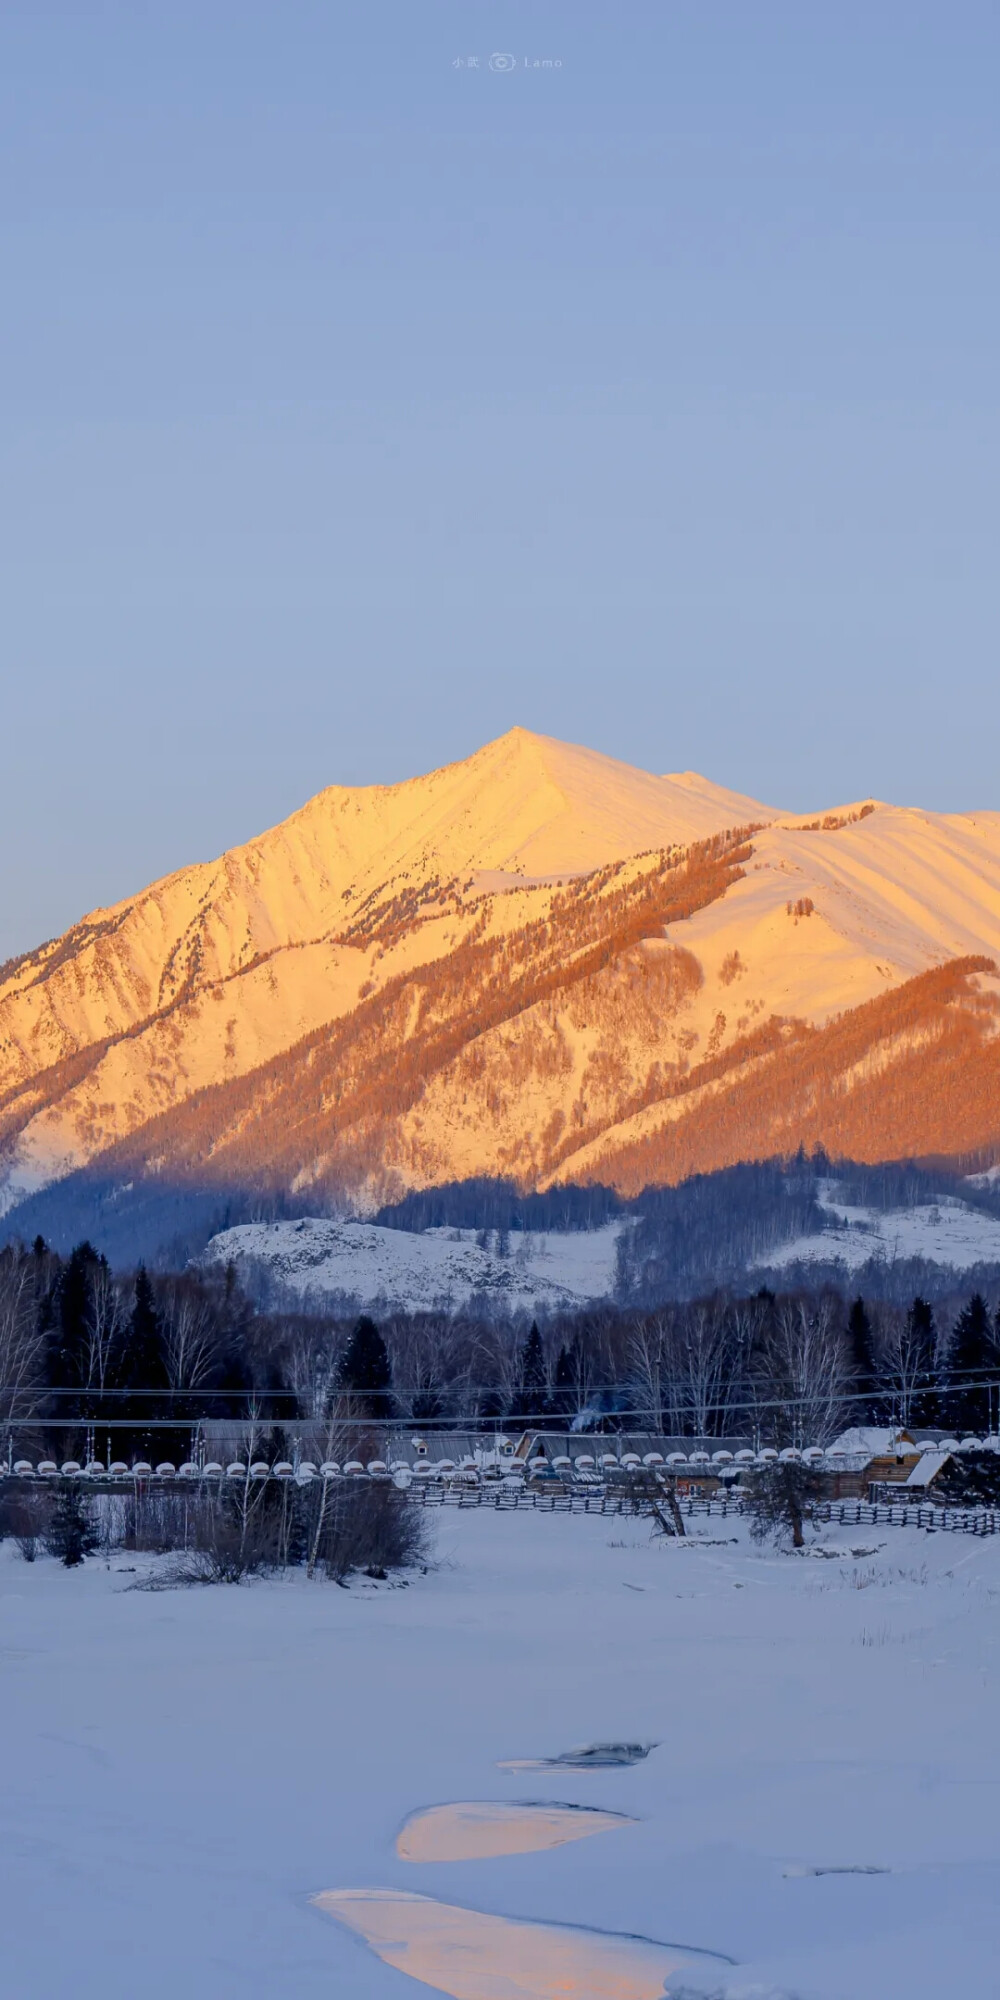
<point x="884" y="1386"/>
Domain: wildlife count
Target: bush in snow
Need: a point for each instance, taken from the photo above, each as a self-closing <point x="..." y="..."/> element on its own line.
<point x="365" y="1526"/>
<point x="25" y="1517"/>
<point x="259" y="1528"/>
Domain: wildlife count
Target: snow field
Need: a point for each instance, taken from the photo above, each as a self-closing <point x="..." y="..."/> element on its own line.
<point x="183" y="1771"/>
<point x="947" y="1232"/>
<point x="421" y="1271"/>
<point x="444" y="1269"/>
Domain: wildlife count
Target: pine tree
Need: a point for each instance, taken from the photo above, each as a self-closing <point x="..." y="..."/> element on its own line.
<point x="532" y="1400"/>
<point x="68" y="1341"/>
<point x="921" y="1334"/>
<point x="365" y="1374"/>
<point x="861" y="1348"/>
<point x="566" y="1395"/>
<point x="64" y="1296"/>
<point x="973" y="1359"/>
<point x="143" y="1367"/>
<point x="296" y="1550"/>
<point x="71" y="1534"/>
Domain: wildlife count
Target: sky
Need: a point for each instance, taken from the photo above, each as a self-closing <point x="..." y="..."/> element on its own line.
<point x="375" y="376"/>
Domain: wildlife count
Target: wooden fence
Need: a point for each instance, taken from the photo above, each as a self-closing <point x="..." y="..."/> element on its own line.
<point x="843" y="1513"/>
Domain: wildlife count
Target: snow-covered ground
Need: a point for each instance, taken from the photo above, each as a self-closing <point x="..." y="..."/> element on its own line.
<point x="184" y="1772"/>
<point x="319" y="1260"/>
<point x="436" y="1268"/>
<point x="946" y="1232"/>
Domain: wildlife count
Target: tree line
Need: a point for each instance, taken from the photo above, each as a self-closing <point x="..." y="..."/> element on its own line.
<point x="134" y="1360"/>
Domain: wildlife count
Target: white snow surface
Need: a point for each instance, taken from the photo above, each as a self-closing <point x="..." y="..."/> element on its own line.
<point x="927" y="1468"/>
<point x="443" y="1269"/>
<point x="949" y="1232"/>
<point x="425" y="1270"/>
<point x="183" y="1772"/>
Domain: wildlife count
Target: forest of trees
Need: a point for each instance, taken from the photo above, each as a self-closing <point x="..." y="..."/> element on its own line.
<point x="135" y="1358"/>
<point x="132" y="1361"/>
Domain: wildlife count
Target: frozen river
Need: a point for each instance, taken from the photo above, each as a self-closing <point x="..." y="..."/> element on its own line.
<point x="185" y="1773"/>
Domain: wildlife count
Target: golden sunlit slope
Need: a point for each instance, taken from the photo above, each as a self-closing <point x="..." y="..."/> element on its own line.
<point x="892" y="892"/>
<point x="212" y="971"/>
<point x="536" y="962"/>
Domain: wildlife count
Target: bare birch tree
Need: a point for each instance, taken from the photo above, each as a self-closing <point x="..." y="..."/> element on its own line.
<point x="803" y="1373"/>
<point x="106" y="1319"/>
<point x="22" y="1346"/>
<point x="193" y="1338"/>
<point x="701" y="1355"/>
<point x="650" y="1350"/>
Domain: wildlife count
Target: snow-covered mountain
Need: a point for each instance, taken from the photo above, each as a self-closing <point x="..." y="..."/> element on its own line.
<point x="538" y="963"/>
<point x="217" y="969"/>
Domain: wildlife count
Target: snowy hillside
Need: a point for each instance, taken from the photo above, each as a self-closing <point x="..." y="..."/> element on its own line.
<point x="436" y="1269"/>
<point x="319" y="1261"/>
<point x="947" y="1232"/>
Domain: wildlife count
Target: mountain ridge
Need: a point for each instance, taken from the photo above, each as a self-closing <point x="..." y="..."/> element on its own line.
<point x="502" y="867"/>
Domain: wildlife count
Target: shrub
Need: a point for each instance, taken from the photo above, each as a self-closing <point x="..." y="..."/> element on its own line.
<point x="365" y="1526"/>
<point x="25" y="1517"/>
<point x="256" y="1530"/>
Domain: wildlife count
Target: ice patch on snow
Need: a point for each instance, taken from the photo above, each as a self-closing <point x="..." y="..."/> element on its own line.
<point x="586" y="1757"/>
<point x="477" y="1957"/>
<point x="478" y="1830"/>
<point x="800" y="1869"/>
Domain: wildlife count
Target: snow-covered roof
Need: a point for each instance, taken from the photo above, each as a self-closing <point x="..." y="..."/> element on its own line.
<point x="927" y="1468"/>
<point x="869" y="1441"/>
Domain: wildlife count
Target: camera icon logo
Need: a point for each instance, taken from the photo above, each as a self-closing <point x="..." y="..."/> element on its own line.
<point x="503" y="63"/>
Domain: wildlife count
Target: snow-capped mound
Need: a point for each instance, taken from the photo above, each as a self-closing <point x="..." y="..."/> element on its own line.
<point x="948" y="1232"/>
<point x="417" y="1272"/>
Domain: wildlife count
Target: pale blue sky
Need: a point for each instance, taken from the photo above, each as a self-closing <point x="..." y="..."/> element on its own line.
<point x="357" y="405"/>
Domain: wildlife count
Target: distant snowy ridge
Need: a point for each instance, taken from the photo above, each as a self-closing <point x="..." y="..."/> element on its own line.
<point x="949" y="1232"/>
<point x="318" y="1261"/>
<point x="439" y="1269"/>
